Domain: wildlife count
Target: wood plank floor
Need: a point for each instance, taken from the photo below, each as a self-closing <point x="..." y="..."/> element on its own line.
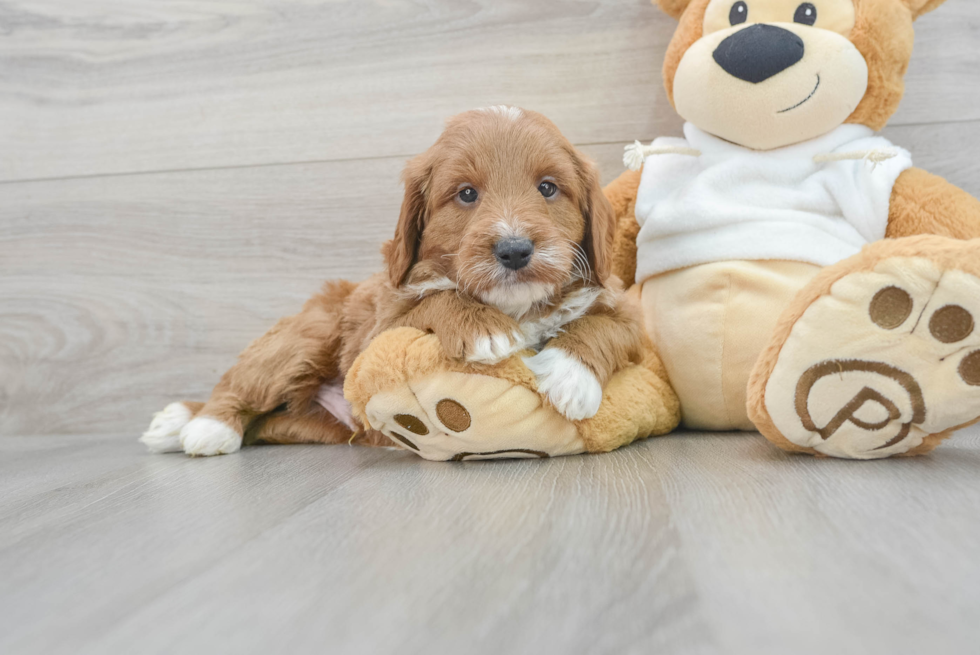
<point x="175" y="176"/>
<point x="685" y="544"/>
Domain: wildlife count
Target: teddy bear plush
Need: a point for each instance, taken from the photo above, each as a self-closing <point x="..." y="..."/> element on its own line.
<point x="797" y="275"/>
<point x="406" y="387"/>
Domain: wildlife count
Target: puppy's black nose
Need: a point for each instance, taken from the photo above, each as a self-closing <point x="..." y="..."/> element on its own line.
<point x="757" y="53"/>
<point x="514" y="252"/>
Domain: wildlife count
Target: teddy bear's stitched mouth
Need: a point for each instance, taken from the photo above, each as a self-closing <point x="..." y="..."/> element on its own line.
<point x="805" y="100"/>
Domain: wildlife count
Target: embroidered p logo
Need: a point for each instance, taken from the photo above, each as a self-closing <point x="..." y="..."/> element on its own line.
<point x="875" y="398"/>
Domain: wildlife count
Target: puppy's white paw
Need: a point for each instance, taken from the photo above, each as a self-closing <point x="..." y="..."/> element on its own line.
<point x="206" y="436"/>
<point x="163" y="435"/>
<point x="570" y="386"/>
<point x="491" y="350"/>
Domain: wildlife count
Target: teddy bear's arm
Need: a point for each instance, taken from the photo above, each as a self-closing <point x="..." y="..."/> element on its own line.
<point x="922" y="203"/>
<point x="622" y="194"/>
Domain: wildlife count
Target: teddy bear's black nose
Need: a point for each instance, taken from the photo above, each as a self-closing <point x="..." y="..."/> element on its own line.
<point x="758" y="52"/>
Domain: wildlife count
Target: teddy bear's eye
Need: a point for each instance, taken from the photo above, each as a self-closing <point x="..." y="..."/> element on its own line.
<point x="806" y="13"/>
<point x="739" y="13"/>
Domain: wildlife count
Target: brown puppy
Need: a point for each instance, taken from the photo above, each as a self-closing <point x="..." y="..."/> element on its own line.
<point x="503" y="244"/>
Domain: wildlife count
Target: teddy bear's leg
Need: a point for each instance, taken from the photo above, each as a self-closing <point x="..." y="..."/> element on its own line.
<point x="405" y="387"/>
<point x="710" y="323"/>
<point x="460" y="416"/>
<point x="878" y="356"/>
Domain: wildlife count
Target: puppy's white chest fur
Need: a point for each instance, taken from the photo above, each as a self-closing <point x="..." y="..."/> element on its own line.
<point x="518" y="299"/>
<point x="539" y="331"/>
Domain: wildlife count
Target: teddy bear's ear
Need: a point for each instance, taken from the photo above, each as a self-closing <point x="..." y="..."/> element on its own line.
<point x="676" y="7"/>
<point x="919" y="7"/>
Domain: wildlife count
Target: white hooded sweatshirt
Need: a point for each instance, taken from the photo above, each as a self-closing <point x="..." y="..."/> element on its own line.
<point x="733" y="203"/>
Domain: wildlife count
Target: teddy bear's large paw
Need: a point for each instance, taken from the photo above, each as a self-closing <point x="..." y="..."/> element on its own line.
<point x="406" y="386"/>
<point x="459" y="416"/>
<point x="887" y="359"/>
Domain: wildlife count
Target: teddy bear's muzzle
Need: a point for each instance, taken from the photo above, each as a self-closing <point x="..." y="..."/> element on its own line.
<point x="759" y="52"/>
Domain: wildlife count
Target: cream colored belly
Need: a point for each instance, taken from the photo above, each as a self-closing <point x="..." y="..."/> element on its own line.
<point x="710" y="323"/>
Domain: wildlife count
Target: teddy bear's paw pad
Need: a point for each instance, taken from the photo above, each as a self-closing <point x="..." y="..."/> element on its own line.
<point x="457" y="417"/>
<point x="887" y="359"/>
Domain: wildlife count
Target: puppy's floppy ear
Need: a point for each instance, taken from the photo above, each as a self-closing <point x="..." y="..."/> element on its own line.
<point x="673" y="8"/>
<point x="920" y="7"/>
<point x="600" y="221"/>
<point x="401" y="253"/>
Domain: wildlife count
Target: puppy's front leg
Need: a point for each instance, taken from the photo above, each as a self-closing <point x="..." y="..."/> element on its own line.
<point x="575" y="366"/>
<point x="467" y="329"/>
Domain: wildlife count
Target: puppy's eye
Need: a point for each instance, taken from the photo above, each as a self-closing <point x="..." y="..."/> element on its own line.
<point x="468" y="195"/>
<point x="739" y="13"/>
<point x="806" y="13"/>
<point x="548" y="189"/>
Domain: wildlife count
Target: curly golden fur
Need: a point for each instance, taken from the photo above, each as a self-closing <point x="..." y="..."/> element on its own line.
<point x="444" y="276"/>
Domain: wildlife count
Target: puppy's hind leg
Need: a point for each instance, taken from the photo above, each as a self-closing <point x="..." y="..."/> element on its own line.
<point x="316" y="426"/>
<point x="286" y="366"/>
<point x="163" y="435"/>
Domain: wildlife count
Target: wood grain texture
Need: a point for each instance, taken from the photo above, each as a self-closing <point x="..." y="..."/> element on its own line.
<point x="121" y="294"/>
<point x="145" y="288"/>
<point x="118" y="86"/>
<point x="685" y="544"/>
